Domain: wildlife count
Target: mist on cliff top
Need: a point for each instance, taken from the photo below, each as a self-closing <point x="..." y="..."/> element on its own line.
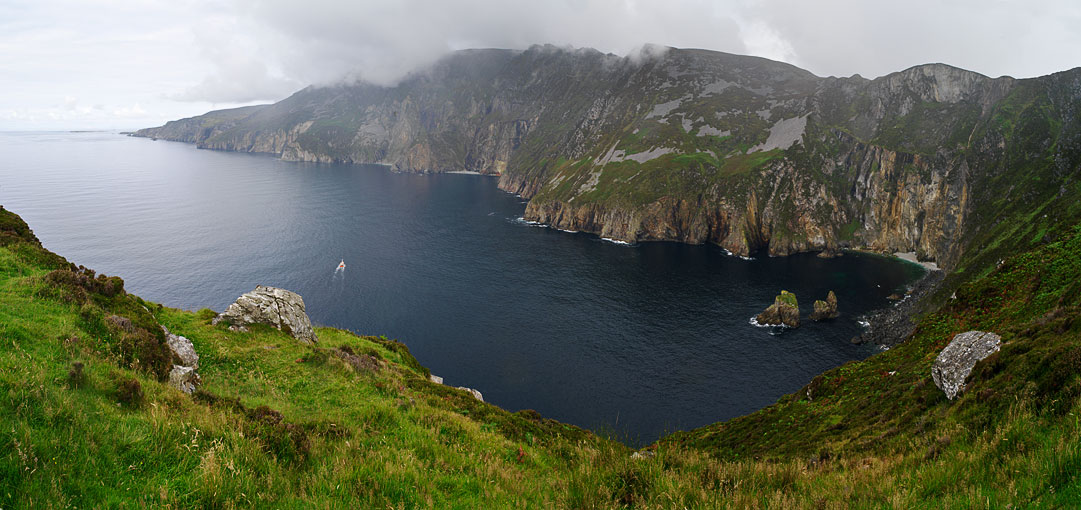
<point x="326" y="41"/>
<point x="78" y="63"/>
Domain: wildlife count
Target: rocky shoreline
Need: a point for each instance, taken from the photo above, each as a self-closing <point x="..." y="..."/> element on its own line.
<point x="892" y="325"/>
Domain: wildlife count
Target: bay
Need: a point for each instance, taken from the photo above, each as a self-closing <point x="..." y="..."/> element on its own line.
<point x="634" y="341"/>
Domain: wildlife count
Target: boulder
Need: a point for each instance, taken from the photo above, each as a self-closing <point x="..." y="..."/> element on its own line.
<point x="183" y="376"/>
<point x="955" y="362"/>
<point x="784" y="311"/>
<point x="825" y="309"/>
<point x="269" y="305"/>
<point x="182" y="348"/>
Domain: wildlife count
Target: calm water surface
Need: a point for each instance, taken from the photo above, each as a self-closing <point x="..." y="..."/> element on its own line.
<point x="637" y="340"/>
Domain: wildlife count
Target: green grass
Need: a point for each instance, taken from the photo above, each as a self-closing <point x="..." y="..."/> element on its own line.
<point x="787" y="298"/>
<point x="284" y="425"/>
<point x="743" y="163"/>
<point x="929" y="127"/>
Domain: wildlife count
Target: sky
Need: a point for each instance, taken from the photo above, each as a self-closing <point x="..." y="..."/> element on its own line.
<point x="125" y="64"/>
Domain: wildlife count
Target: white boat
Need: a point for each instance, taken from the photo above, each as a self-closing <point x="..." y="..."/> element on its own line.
<point x="341" y="265"/>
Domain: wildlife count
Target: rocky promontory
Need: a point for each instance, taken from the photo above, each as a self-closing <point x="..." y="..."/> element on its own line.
<point x="891" y="325"/>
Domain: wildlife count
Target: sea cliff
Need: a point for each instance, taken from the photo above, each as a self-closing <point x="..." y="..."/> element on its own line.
<point x="706" y="147"/>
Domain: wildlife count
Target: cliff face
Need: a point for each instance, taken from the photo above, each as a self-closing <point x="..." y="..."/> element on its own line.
<point x="698" y="146"/>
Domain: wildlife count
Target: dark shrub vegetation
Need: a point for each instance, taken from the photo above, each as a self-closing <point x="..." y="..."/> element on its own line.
<point x="129" y="392"/>
<point x="76" y="377"/>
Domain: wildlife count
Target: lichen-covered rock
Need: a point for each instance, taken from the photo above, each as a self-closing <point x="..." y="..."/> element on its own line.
<point x="955" y="362"/>
<point x="183" y="376"/>
<point x="784" y="311"/>
<point x="476" y="394"/>
<point x="270" y="305"/>
<point x="182" y="348"/>
<point x="825" y="310"/>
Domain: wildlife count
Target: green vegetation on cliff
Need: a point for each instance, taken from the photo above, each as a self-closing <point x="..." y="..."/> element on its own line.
<point x="86" y="419"/>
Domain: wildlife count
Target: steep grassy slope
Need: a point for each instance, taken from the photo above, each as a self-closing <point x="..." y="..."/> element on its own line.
<point x="280" y="424"/>
<point x="1019" y="413"/>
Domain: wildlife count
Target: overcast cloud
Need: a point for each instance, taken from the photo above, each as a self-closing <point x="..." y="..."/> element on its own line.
<point x="77" y="64"/>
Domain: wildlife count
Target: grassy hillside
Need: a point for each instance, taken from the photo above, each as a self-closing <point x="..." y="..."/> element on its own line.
<point x="86" y="421"/>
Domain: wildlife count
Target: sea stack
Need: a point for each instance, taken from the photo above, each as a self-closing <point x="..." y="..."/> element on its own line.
<point x="825" y="310"/>
<point x="783" y="312"/>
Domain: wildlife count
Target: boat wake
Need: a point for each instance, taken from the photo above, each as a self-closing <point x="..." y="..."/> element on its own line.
<point x="337" y="279"/>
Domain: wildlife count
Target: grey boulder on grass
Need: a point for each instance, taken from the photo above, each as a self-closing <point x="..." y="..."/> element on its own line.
<point x="955" y="362"/>
<point x="183" y="375"/>
<point x="279" y="308"/>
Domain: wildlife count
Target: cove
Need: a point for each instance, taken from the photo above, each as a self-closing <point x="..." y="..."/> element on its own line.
<point x="630" y="340"/>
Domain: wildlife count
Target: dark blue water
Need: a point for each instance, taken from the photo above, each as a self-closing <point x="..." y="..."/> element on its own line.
<point x="638" y="340"/>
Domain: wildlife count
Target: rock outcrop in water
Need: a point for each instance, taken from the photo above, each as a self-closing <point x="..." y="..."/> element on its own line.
<point x="279" y="308"/>
<point x="783" y="312"/>
<point x="825" y="310"/>
<point x="955" y="362"/>
<point x="699" y="146"/>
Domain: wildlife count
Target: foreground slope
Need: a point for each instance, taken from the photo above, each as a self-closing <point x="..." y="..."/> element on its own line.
<point x="274" y="422"/>
<point x="700" y="146"/>
<point x="281" y="424"/>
